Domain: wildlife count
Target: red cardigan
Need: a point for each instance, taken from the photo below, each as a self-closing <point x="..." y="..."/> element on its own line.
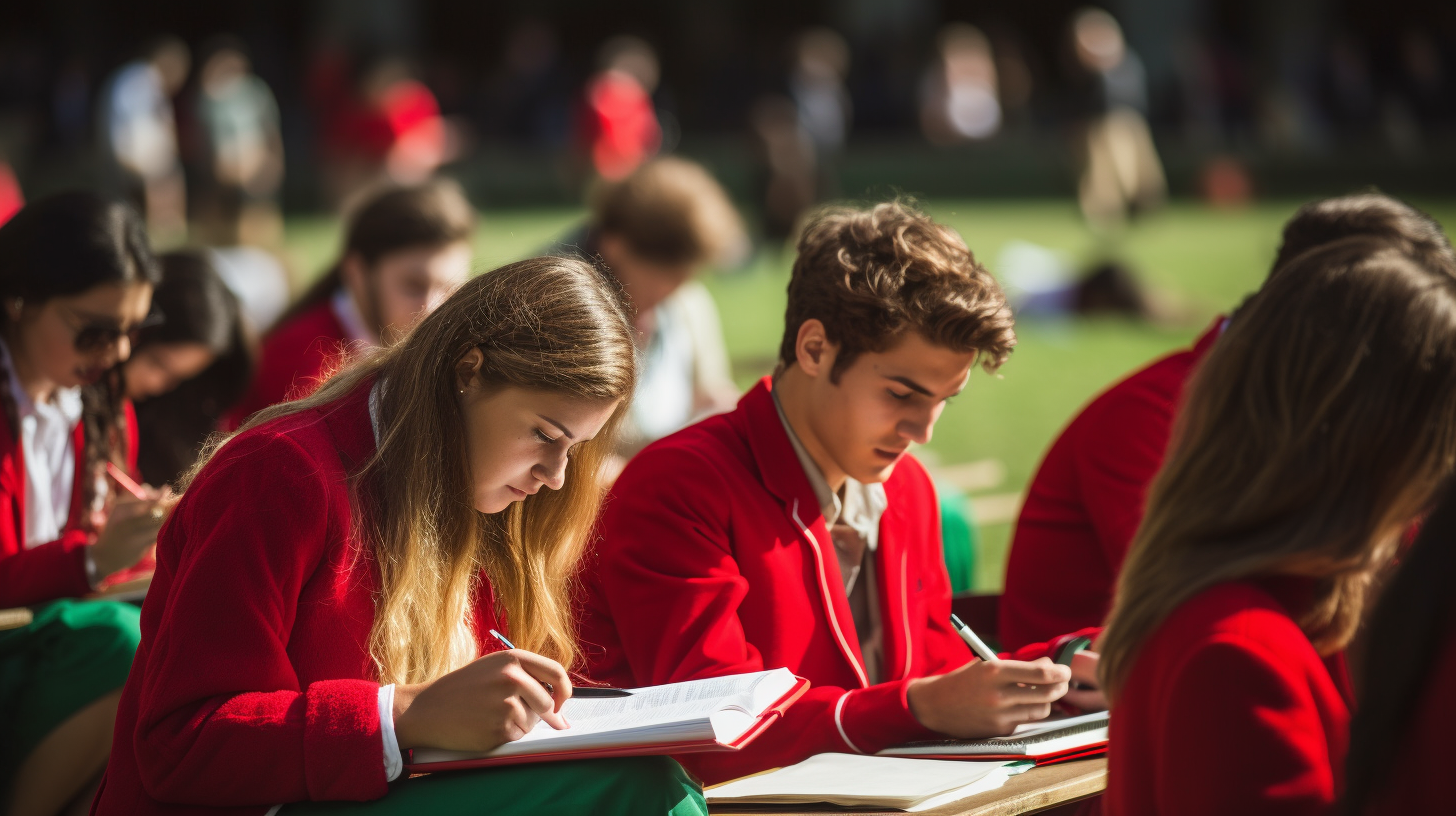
<point x="1086" y="502"/>
<point x="714" y="559"/>
<point x="56" y="569"/>
<point x="253" y="685"/>
<point x="295" y="357"/>
<point x="1228" y="709"/>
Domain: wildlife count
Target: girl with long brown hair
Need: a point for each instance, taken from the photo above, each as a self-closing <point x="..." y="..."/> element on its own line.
<point x="1317" y="428"/>
<point x="326" y="586"/>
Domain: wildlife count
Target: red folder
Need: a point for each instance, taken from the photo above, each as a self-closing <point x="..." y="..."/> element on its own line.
<point x="769" y="716"/>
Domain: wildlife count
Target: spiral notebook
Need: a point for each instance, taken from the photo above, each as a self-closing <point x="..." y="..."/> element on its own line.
<point x="713" y="714"/>
<point x="1055" y="739"/>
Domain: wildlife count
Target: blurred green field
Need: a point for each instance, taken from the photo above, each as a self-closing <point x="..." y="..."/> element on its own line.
<point x="1202" y="261"/>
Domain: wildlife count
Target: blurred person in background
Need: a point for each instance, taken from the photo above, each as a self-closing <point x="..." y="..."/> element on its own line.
<point x="655" y="231"/>
<point x="816" y="84"/>
<point x="619" y="128"/>
<point x="186" y="372"/>
<point x="1121" y="173"/>
<point x="239" y="166"/>
<point x="959" y="98"/>
<point x="406" y="249"/>
<point x="383" y="126"/>
<point x="788" y="165"/>
<point x="139" y="135"/>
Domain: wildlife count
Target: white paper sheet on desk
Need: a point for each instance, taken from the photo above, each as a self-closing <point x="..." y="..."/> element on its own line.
<point x="850" y="780"/>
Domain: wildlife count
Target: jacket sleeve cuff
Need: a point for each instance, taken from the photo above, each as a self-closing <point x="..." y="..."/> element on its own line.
<point x="879" y="717"/>
<point x="342" y="741"/>
<point x="1032" y="651"/>
<point x="393" y="762"/>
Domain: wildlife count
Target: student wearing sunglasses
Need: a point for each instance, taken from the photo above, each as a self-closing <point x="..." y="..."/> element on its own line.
<point x="76" y="279"/>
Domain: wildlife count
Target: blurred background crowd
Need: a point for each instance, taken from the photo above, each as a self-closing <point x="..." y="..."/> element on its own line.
<point x="1123" y="168"/>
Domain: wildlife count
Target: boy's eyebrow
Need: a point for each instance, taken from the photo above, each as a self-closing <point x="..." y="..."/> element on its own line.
<point x="564" y="429"/>
<point x="917" y="387"/>
<point x="910" y="384"/>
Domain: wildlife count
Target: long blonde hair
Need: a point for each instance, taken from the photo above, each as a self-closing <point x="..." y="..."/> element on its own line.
<point x="546" y="323"/>
<point x="1318" y="426"/>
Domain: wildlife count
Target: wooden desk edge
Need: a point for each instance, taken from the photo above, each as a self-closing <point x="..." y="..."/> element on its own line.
<point x="1037" y="789"/>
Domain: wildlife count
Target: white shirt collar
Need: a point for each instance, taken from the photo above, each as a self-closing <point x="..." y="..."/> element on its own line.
<point x="47" y="441"/>
<point x="347" y="311"/>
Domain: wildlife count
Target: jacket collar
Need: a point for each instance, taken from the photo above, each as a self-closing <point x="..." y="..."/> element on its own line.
<point x="778" y="465"/>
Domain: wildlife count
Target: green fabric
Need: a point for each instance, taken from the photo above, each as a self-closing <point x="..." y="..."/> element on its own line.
<point x="631" y="786"/>
<point x="958" y="537"/>
<point x="73" y="653"/>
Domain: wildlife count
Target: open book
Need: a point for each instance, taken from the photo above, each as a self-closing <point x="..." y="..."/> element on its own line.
<point x="849" y="780"/>
<point x="719" y="713"/>
<point x="1051" y="740"/>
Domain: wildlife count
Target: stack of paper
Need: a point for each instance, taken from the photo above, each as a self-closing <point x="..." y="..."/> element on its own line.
<point x="850" y="780"/>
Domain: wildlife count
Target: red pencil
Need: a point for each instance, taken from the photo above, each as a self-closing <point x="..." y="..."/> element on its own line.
<point x="127" y="483"/>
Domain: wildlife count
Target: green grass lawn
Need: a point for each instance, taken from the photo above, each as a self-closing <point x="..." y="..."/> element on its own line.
<point x="1203" y="261"/>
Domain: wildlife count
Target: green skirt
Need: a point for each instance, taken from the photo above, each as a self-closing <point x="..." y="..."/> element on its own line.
<point x="632" y="786"/>
<point x="73" y="653"/>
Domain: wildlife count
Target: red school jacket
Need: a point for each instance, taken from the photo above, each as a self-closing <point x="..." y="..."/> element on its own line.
<point x="1086" y="502"/>
<point x="56" y="569"/>
<point x="714" y="558"/>
<point x="1418" y="779"/>
<point x="294" y="359"/>
<point x="1227" y="709"/>
<point x="253" y="685"/>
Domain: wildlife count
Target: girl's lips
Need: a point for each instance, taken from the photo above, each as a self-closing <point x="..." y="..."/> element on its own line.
<point x="889" y="456"/>
<point x="519" y="493"/>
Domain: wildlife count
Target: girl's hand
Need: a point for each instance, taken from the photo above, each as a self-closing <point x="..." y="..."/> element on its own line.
<point x="487" y="703"/>
<point x="131" y="527"/>
<point x="1086" y="693"/>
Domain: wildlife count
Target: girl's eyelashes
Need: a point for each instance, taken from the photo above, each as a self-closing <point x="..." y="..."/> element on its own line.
<point x="541" y="435"/>
<point x="896" y="395"/>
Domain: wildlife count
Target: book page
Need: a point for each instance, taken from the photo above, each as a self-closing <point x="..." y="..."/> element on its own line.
<point x="674" y="712"/>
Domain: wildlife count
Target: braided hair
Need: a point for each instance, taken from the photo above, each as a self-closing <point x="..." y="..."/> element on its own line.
<point x="61" y="246"/>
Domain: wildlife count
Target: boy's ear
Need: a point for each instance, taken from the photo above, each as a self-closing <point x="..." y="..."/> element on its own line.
<point x="813" y="350"/>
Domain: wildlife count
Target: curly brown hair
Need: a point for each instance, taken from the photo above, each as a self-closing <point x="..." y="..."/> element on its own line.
<point x="870" y="275"/>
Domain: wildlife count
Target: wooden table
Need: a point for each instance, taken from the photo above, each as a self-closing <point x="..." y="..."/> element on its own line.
<point x="1037" y="790"/>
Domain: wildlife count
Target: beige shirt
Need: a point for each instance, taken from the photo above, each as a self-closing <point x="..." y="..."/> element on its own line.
<point x="858" y="506"/>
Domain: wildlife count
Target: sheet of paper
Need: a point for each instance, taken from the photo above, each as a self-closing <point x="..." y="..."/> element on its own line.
<point x="850" y="780"/>
<point x="1055" y="724"/>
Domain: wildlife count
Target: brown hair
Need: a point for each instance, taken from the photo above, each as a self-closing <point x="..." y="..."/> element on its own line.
<point x="1379" y="216"/>
<point x="871" y="275"/>
<point x="433" y="214"/>
<point x="544" y="323"/>
<point x="1318" y="426"/>
<point x="670" y="211"/>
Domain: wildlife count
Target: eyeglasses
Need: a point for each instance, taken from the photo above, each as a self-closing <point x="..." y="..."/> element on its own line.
<point x="94" y="335"/>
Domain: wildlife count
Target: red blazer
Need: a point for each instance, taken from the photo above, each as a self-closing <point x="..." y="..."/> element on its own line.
<point x="1086" y="502"/>
<point x="714" y="559"/>
<point x="56" y="569"/>
<point x="1228" y="709"/>
<point x="253" y="685"/>
<point x="296" y="356"/>
<point x="1419" y="777"/>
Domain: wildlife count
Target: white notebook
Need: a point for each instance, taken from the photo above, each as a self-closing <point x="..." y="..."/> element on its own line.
<point x="716" y="711"/>
<point x="1049" y="737"/>
<point x="850" y="780"/>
